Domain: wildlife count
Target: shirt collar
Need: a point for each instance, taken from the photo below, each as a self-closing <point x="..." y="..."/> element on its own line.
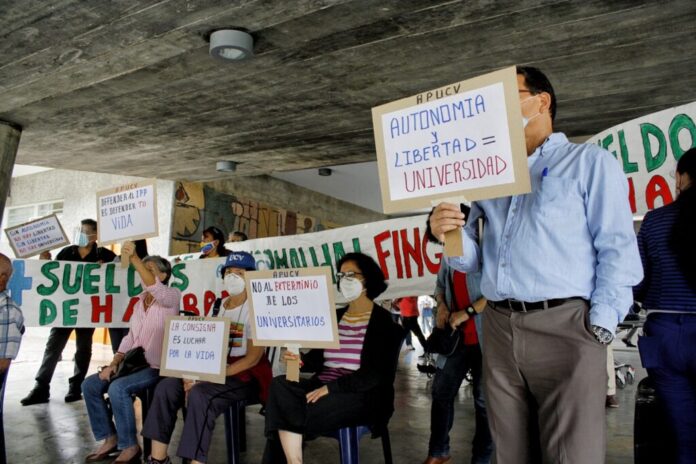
<point x="554" y="140"/>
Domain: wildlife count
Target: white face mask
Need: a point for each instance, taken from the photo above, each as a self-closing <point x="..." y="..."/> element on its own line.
<point x="351" y="288"/>
<point x="234" y="284"/>
<point x="525" y="120"/>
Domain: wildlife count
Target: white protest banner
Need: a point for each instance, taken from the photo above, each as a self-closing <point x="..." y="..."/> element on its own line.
<point x="463" y="140"/>
<point x="293" y="306"/>
<point x="34" y="237"/>
<point x="127" y="212"/>
<point x="648" y="149"/>
<point x="69" y="294"/>
<point x="195" y="348"/>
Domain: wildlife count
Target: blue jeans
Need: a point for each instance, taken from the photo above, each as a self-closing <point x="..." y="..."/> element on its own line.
<point x="121" y="393"/>
<point x="668" y="352"/>
<point x="445" y="388"/>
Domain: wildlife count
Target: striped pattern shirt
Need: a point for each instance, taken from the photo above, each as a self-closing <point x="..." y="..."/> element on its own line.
<point x="346" y="359"/>
<point x="11" y="327"/>
<point x="147" y="327"/>
<point x="664" y="285"/>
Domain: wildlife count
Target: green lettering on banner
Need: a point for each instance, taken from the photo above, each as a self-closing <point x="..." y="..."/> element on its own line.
<point x="133" y="289"/>
<point x="55" y="282"/>
<point x="653" y="162"/>
<point x="339" y="252"/>
<point x="177" y="273"/>
<point x="280" y="263"/>
<point x="70" y="313"/>
<point x="72" y="288"/>
<point x="681" y="121"/>
<point x="356" y="244"/>
<point x="109" y="285"/>
<point x="47" y="312"/>
<point x="89" y="280"/>
<point x="313" y="254"/>
<point x="294" y="258"/>
<point x="271" y="264"/>
<point x="628" y="166"/>
<point x="302" y="257"/>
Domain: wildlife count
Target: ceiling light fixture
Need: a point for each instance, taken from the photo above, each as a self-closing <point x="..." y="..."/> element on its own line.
<point x="226" y="166"/>
<point x="325" y="172"/>
<point x="231" y="45"/>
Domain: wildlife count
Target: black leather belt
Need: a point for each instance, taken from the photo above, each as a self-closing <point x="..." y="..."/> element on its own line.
<point x="524" y="306"/>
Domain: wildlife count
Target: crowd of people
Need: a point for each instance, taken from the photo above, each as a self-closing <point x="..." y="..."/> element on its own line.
<point x="536" y="297"/>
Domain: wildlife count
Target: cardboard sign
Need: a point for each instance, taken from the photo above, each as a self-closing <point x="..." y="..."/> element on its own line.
<point x="462" y="140"/>
<point x="293" y="306"/>
<point x="195" y="348"/>
<point x="648" y="149"/>
<point x="128" y="212"/>
<point x="34" y="237"/>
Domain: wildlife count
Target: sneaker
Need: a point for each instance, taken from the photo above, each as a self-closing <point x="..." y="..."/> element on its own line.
<point x="38" y="395"/>
<point x="152" y="460"/>
<point x="410" y="348"/>
<point x="612" y="402"/>
<point x="628" y="342"/>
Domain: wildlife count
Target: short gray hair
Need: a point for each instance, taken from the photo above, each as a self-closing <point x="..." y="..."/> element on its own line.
<point x="162" y="265"/>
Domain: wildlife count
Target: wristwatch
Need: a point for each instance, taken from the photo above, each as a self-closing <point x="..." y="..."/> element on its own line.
<point x="470" y="311"/>
<point x="602" y="335"/>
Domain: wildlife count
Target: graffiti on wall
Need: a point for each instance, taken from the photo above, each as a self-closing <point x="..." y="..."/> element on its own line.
<point x="198" y="207"/>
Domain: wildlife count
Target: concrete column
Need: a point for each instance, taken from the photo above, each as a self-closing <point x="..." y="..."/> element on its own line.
<point x="9" y="141"/>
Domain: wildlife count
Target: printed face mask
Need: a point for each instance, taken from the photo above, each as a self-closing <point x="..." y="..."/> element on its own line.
<point x="207" y="247"/>
<point x="234" y="284"/>
<point x="351" y="288"/>
<point x="80" y="239"/>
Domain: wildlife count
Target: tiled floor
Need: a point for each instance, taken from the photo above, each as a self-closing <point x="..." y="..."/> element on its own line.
<point x="59" y="433"/>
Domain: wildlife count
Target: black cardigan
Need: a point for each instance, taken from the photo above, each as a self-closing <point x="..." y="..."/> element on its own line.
<point x="378" y="361"/>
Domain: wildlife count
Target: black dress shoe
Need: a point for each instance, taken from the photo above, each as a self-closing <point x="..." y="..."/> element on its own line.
<point x="36" y="396"/>
<point x="72" y="396"/>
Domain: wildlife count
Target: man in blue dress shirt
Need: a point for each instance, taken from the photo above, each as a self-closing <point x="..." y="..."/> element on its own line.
<point x="558" y="265"/>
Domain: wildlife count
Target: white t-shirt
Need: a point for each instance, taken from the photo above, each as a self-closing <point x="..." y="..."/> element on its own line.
<point x="240" y="330"/>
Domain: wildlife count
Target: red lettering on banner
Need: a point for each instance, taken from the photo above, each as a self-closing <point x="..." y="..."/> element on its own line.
<point x="632" y="195"/>
<point x="208" y="300"/>
<point x="129" y="311"/>
<point x="98" y="309"/>
<point x="657" y="187"/>
<point x="382" y="254"/>
<point x="412" y="252"/>
<point x="397" y="254"/>
<point x="433" y="266"/>
<point x="191" y="304"/>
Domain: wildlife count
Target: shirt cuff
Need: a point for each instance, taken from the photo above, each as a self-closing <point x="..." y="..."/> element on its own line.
<point x="604" y="316"/>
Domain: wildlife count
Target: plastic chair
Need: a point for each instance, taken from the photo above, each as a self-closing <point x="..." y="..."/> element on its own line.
<point x="349" y="443"/>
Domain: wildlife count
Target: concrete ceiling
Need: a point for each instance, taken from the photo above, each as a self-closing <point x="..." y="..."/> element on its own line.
<point x="128" y="87"/>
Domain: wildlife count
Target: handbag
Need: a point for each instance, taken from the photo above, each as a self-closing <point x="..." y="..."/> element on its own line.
<point x="132" y="362"/>
<point x="443" y="341"/>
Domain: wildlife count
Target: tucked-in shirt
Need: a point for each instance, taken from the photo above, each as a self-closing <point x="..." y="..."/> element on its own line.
<point x="572" y="236"/>
<point x="147" y="327"/>
<point x="665" y="285"/>
<point x="11" y="327"/>
<point x="346" y="359"/>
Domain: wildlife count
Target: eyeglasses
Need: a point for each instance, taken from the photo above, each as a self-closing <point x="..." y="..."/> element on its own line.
<point x="347" y="275"/>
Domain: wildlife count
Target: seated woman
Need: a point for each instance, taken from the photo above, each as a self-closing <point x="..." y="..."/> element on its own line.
<point x="206" y="401"/>
<point x="353" y="384"/>
<point x="146" y="331"/>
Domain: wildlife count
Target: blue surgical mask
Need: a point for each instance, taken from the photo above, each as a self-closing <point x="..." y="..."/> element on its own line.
<point x="81" y="239"/>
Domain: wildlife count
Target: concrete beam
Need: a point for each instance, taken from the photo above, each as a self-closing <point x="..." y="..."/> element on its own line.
<point x="9" y="141"/>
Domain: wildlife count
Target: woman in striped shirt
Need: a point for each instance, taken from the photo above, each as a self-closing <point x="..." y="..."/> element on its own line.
<point x="156" y="301"/>
<point x="667" y="242"/>
<point x="353" y="384"/>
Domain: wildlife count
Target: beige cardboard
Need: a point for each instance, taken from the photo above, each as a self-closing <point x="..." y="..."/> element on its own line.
<point x="222" y="351"/>
<point x="454" y="245"/>
<point x="324" y="272"/>
<point x="508" y="78"/>
<point x="122" y="188"/>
